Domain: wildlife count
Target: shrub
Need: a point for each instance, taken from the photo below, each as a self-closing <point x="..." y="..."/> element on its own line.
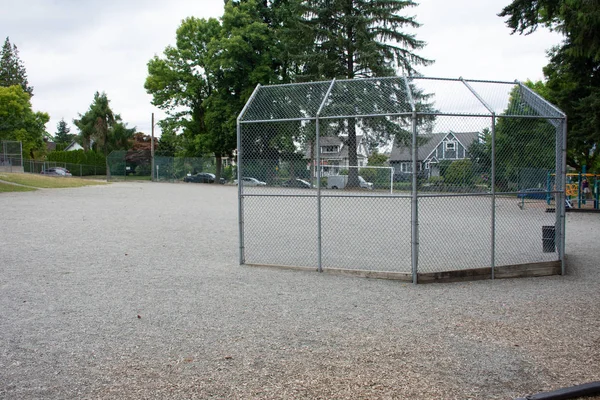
<point x="460" y="172"/>
<point x="143" y="169"/>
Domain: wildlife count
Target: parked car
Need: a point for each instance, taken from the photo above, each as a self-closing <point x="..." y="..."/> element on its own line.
<point x="532" y="193"/>
<point x="56" y="171"/>
<point x="247" y="181"/>
<point x="203" y="177"/>
<point x="297" y="183"/>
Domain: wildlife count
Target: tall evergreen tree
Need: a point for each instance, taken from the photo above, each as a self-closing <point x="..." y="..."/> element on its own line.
<point x="358" y="38"/>
<point x="63" y="133"/>
<point x="12" y="70"/>
<point x="105" y="128"/>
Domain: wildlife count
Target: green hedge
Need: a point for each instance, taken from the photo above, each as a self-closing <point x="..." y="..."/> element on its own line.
<point x="83" y="162"/>
<point x="78" y="157"/>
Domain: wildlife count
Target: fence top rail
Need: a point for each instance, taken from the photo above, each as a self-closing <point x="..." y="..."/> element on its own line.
<point x="395" y="95"/>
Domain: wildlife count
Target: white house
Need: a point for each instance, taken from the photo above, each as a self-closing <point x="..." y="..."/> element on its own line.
<point x="334" y="154"/>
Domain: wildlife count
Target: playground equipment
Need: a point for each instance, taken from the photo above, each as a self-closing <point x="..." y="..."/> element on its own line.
<point x="574" y="190"/>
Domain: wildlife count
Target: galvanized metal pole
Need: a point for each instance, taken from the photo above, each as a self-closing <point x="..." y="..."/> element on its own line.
<point x="318" y="149"/>
<point x="239" y="176"/>
<point x="493" y="173"/>
<point x="415" y="204"/>
<point x="560" y="208"/>
<point x="152" y="151"/>
<point x="319" y="230"/>
<point x="493" y="192"/>
<point x="239" y="188"/>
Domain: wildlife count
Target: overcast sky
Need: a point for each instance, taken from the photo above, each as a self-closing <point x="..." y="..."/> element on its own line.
<point x="73" y="48"/>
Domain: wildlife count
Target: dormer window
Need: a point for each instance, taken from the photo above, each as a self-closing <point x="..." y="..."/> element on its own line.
<point x="329" y="149"/>
<point x="450" y="145"/>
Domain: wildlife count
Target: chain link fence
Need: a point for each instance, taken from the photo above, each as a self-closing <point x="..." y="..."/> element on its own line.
<point x="473" y="185"/>
<point x="131" y="165"/>
<point x="36" y="167"/>
<point x="11" y="156"/>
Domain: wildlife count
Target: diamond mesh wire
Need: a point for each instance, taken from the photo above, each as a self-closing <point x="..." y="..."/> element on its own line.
<point x="449" y="97"/>
<point x="280" y="230"/>
<point x="519" y="231"/>
<point x="11" y="153"/>
<point x="454" y="233"/>
<point x="367" y="97"/>
<point x="286" y="101"/>
<point x="349" y="226"/>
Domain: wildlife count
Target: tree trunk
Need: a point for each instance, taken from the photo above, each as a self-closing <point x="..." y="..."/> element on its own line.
<point x="219" y="161"/>
<point x="310" y="158"/>
<point x="352" y="155"/>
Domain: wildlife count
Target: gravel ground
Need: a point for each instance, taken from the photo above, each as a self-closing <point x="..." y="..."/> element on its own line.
<point x="132" y="291"/>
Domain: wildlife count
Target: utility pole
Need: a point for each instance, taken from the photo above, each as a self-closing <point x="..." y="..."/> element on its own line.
<point x="152" y="151"/>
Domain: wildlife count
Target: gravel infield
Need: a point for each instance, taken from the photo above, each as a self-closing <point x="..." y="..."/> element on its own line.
<point x="133" y="291"/>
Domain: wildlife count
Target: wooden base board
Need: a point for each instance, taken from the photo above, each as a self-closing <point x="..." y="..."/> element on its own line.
<point x="506" y="271"/>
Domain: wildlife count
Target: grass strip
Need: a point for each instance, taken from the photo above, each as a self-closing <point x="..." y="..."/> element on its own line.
<point x="47" y="182"/>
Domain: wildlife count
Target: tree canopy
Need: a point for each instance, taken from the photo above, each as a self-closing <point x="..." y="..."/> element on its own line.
<point x="19" y="122"/>
<point x="205" y="79"/>
<point x="63" y="133"/>
<point x="12" y="69"/>
<point x="100" y="125"/>
<point x="573" y="73"/>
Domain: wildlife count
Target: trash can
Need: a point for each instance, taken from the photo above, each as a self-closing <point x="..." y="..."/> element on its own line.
<point x="548" y="241"/>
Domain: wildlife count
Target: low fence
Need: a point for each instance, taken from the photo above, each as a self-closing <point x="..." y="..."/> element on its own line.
<point x="36" y="167"/>
<point x="166" y="168"/>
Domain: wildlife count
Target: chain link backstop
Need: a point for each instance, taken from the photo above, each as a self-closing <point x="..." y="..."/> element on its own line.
<point x="11" y="156"/>
<point x="477" y="187"/>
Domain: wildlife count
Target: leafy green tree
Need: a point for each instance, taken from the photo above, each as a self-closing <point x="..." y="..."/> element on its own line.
<point x="522" y="146"/>
<point x="459" y="172"/>
<point x="204" y="81"/>
<point x="359" y="38"/>
<point x="377" y="159"/>
<point x="19" y="122"/>
<point x="573" y="74"/>
<point x="578" y="20"/>
<point x="12" y="70"/>
<point x="181" y="81"/>
<point x="103" y="127"/>
<point x="63" y="133"/>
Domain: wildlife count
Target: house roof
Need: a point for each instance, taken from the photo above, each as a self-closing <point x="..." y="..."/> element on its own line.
<point x="429" y="143"/>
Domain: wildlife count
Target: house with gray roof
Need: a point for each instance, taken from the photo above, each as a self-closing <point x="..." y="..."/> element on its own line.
<point x="433" y="149"/>
<point x="334" y="154"/>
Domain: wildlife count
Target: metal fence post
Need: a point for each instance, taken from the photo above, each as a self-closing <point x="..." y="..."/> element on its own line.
<point x="493" y="190"/>
<point x="239" y="189"/>
<point x="318" y="149"/>
<point x="561" y="163"/>
<point x="415" y="203"/>
<point x="318" y="162"/>
<point x="239" y="175"/>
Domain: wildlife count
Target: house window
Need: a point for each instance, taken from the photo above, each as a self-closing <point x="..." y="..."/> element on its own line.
<point x="450" y="145"/>
<point x="406" y="167"/>
<point x="329" y="149"/>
